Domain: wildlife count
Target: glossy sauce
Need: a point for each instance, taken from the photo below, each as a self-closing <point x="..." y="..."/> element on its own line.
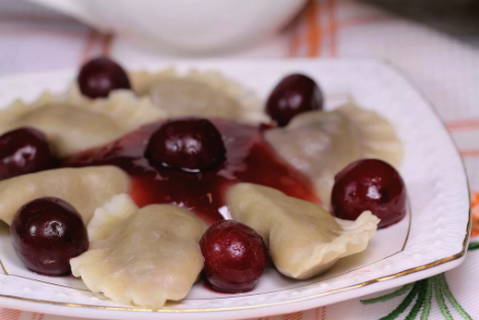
<point x="249" y="159"/>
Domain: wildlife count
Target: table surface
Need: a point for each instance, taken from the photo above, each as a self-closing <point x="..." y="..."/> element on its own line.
<point x="439" y="55"/>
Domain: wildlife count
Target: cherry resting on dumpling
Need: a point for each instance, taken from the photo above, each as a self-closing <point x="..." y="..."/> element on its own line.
<point x="100" y="76"/>
<point x="369" y="184"/>
<point x="294" y="94"/>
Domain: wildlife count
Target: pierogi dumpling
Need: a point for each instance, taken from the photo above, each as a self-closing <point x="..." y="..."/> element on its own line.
<point x="110" y="215"/>
<point x="205" y="94"/>
<point x="84" y="188"/>
<point x="303" y="238"/>
<point x="73" y="124"/>
<point x="321" y="143"/>
<point x="151" y="255"/>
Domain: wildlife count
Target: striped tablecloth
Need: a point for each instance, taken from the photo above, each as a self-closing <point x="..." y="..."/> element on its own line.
<point x="445" y="67"/>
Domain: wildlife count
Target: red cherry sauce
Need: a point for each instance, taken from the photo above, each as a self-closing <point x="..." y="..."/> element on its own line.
<point x="249" y="159"/>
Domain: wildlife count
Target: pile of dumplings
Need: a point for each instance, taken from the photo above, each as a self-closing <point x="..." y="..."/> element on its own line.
<point x="148" y="256"/>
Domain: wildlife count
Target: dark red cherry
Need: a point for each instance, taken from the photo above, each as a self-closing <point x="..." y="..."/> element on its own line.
<point x="190" y="144"/>
<point x="294" y="94"/>
<point x="24" y="150"/>
<point x="46" y="234"/>
<point x="369" y="184"/>
<point x="100" y="76"/>
<point x="235" y="256"/>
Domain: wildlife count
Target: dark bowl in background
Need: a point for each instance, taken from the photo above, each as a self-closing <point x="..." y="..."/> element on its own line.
<point x="457" y="17"/>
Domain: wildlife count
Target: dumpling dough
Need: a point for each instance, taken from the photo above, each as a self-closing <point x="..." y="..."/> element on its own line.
<point x="303" y="239"/>
<point x="321" y="143"/>
<point x="70" y="129"/>
<point x="205" y="94"/>
<point x="151" y="255"/>
<point x="84" y="188"/>
<point x="109" y="216"/>
<point x="182" y="97"/>
<point x="74" y="124"/>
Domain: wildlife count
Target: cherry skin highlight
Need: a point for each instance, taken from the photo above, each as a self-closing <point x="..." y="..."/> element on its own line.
<point x="189" y="144"/>
<point x="24" y="150"/>
<point x="100" y="76"/>
<point x="294" y="94"/>
<point x="369" y="184"/>
<point x="46" y="234"/>
<point x="235" y="256"/>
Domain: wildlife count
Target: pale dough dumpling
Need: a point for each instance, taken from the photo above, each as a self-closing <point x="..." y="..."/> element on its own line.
<point x="321" y="143"/>
<point x="110" y="215"/>
<point x="70" y="129"/>
<point x="84" y="188"/>
<point x="303" y="239"/>
<point x="182" y="97"/>
<point x="151" y="255"/>
<point x="198" y="93"/>
<point x="73" y="123"/>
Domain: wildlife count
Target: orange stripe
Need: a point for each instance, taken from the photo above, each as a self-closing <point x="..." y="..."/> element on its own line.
<point x="314" y="30"/>
<point x="37" y="316"/>
<point x="323" y="313"/>
<point x="106" y="43"/>
<point x="469" y="152"/>
<point x="89" y="44"/>
<point x="293" y="316"/>
<point x="9" y="314"/>
<point x="294" y="32"/>
<point x="475" y="214"/>
<point x="475" y="199"/>
<point x="463" y="124"/>
<point x="333" y="27"/>
<point x="294" y="45"/>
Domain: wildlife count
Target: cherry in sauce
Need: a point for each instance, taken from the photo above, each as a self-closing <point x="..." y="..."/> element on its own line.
<point x="369" y="184"/>
<point x="248" y="159"/>
<point x="46" y="234"/>
<point x="189" y="144"/>
<point x="24" y="150"/>
<point x="235" y="256"/>
<point x="100" y="76"/>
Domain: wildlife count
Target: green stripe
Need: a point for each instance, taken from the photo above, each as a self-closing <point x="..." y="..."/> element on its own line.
<point x="389" y="296"/>
<point x="427" y="301"/>
<point x="419" y="301"/>
<point x="404" y="304"/>
<point x="447" y="292"/>
<point x="473" y="246"/>
<point x="440" y="299"/>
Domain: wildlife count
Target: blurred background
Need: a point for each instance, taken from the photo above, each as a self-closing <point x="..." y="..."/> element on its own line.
<point x="47" y="34"/>
<point x="435" y="43"/>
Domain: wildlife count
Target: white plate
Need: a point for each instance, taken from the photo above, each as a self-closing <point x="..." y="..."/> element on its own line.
<point x="431" y="240"/>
